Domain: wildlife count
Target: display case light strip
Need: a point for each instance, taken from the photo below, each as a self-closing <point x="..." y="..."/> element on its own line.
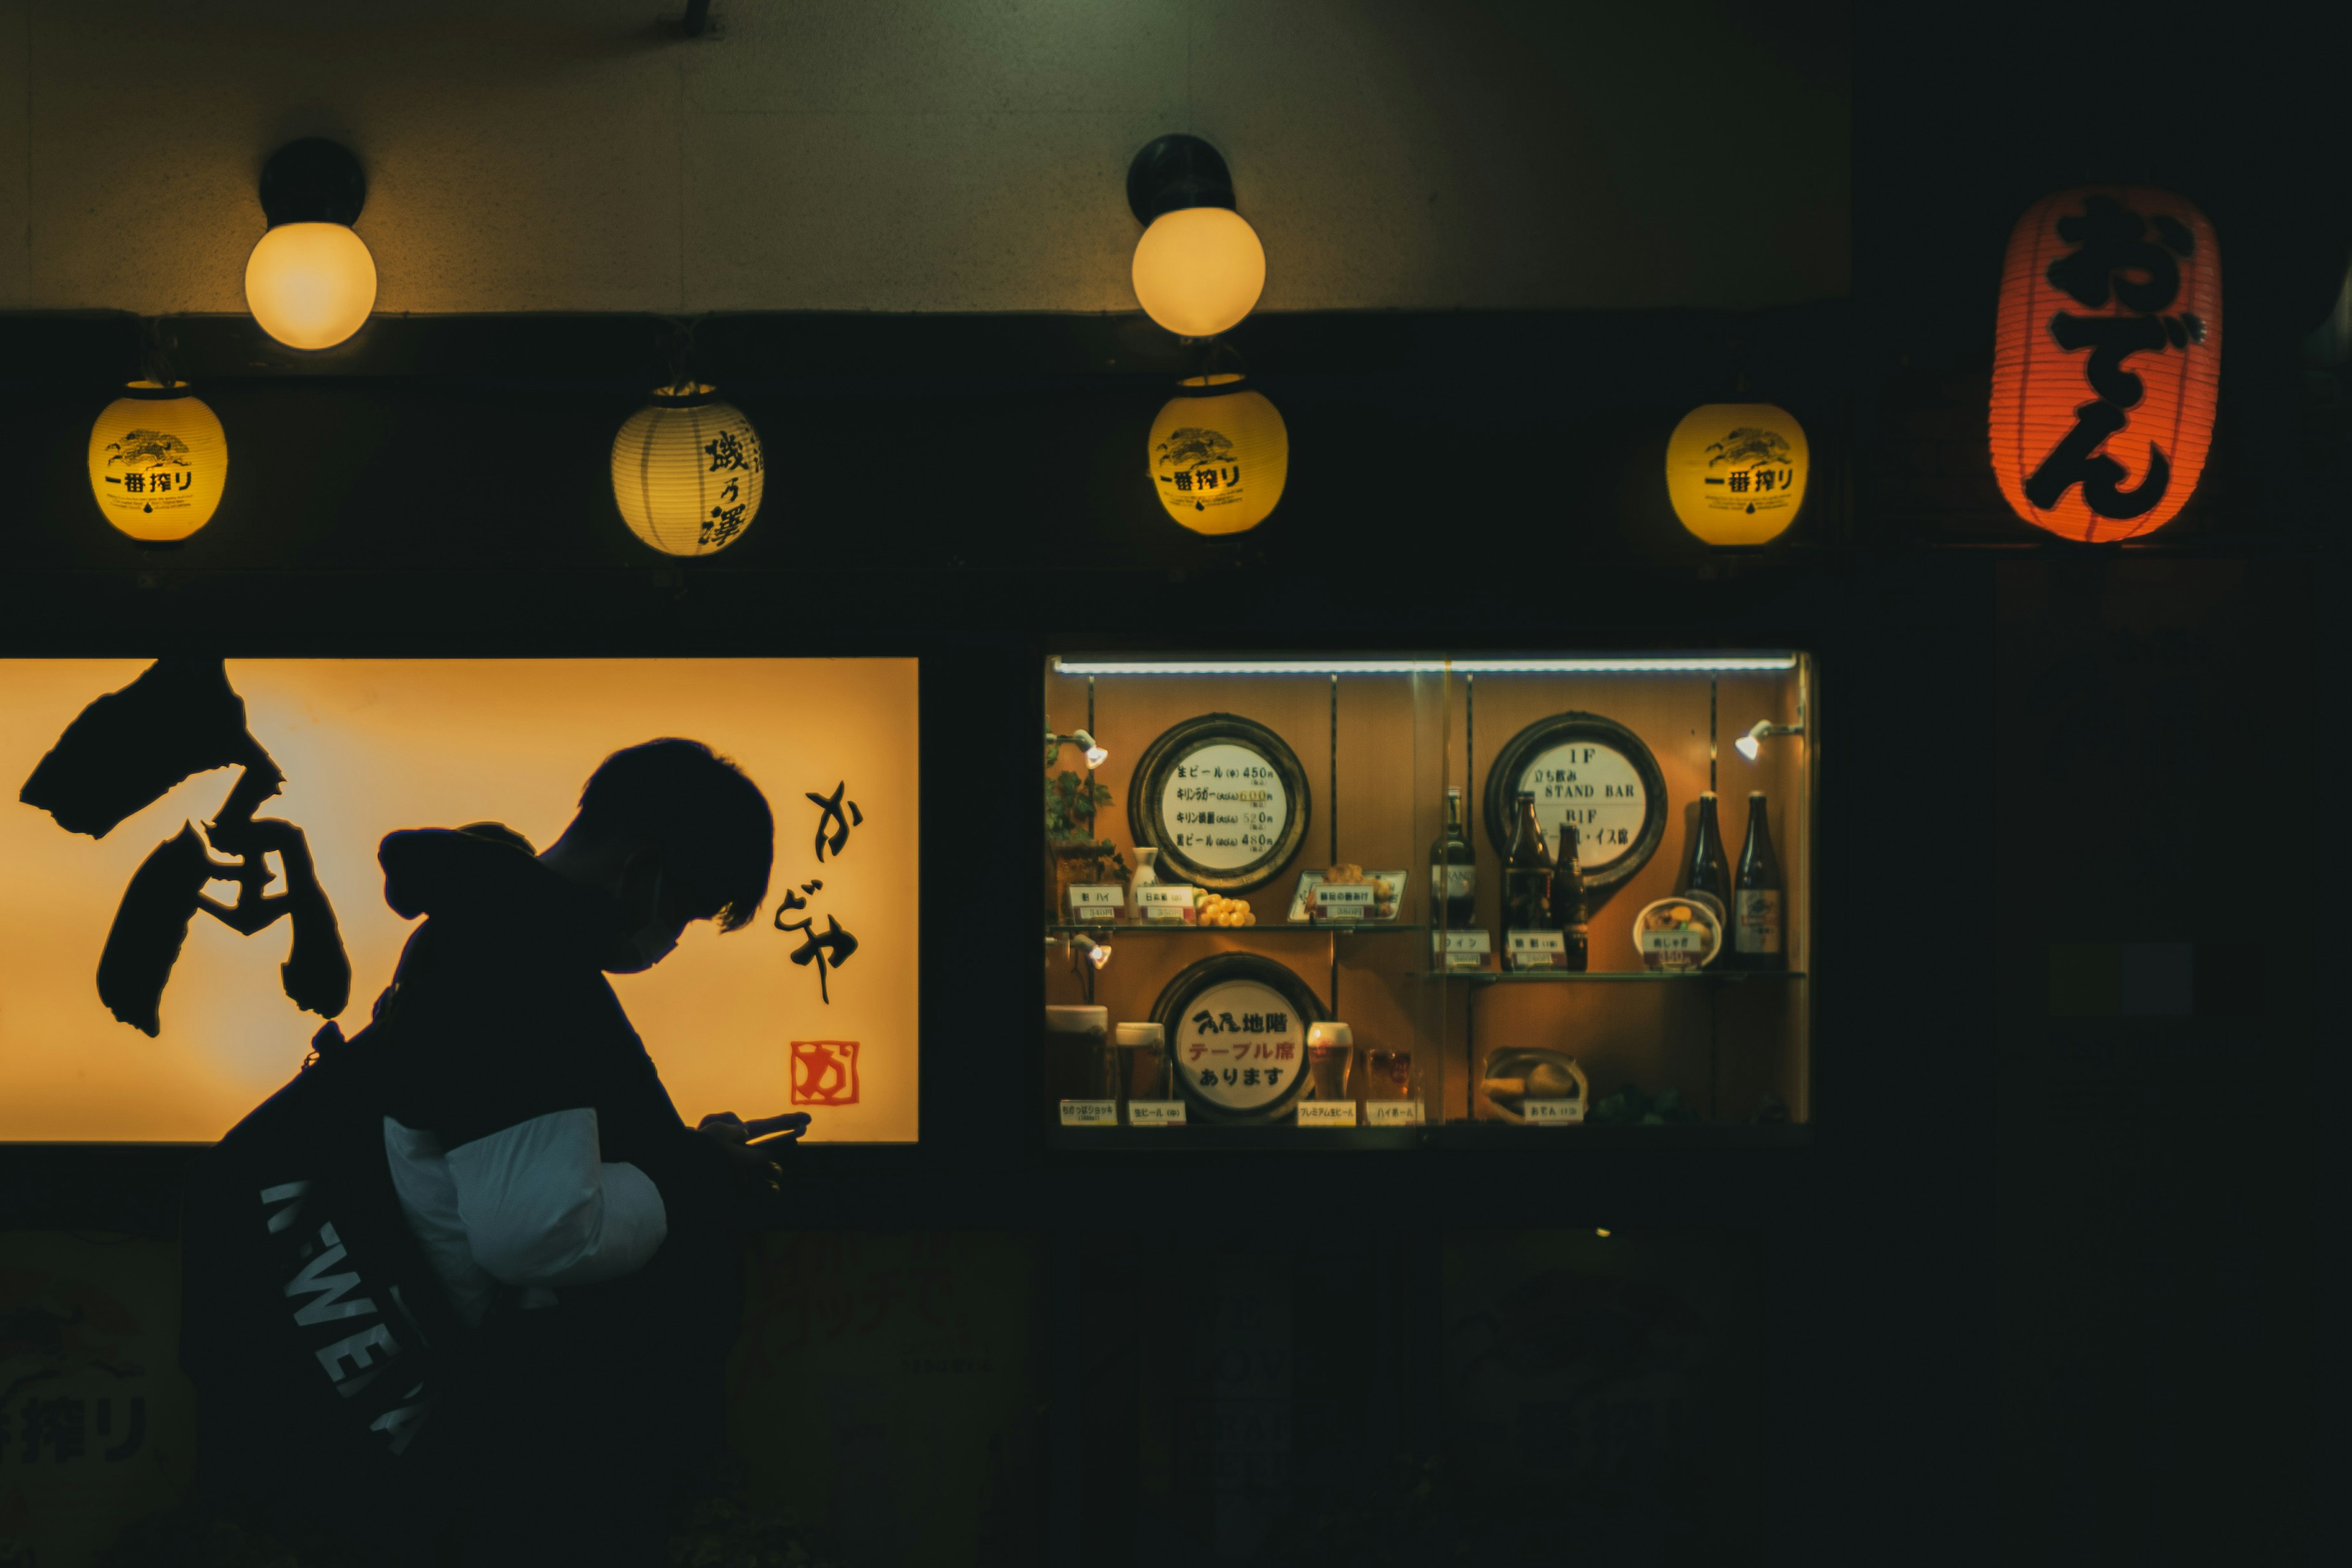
<point x="1717" y="664"/>
<point x="1721" y="664"/>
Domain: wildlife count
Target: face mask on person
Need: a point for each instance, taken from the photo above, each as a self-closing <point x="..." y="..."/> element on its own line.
<point x="649" y="943"/>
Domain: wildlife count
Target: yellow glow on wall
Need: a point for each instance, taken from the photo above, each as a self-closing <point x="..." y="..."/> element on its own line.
<point x="372" y="745"/>
<point x="1199" y="271"/>
<point x="158" y="462"/>
<point x="1736" y="471"/>
<point x="310" y="285"/>
<point x="688" y="472"/>
<point x="1219" y="455"/>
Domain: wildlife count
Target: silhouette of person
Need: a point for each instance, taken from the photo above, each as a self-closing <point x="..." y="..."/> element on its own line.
<point x="586" y="1236"/>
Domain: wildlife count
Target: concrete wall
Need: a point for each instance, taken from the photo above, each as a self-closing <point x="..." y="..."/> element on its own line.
<point x="932" y="154"/>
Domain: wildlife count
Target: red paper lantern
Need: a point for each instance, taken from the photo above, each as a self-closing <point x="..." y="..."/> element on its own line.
<point x="2107" y="360"/>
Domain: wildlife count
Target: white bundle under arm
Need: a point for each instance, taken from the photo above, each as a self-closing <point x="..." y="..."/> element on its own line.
<point x="533" y="1205"/>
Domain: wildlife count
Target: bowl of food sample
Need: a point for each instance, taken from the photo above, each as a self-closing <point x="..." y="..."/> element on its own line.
<point x="1682" y="932"/>
<point x="1517" y="1076"/>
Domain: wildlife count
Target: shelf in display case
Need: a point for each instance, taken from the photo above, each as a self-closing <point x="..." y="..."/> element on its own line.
<point x="1285" y="928"/>
<point x="1285" y="1139"/>
<point x="1562" y="977"/>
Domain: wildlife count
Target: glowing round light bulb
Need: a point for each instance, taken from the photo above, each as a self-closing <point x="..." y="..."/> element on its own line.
<point x="310" y="285"/>
<point x="1199" y="271"/>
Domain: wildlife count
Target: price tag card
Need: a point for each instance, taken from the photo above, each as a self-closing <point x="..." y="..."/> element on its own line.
<point x="1691" y="939"/>
<point x="1155" y="1113"/>
<point x="1537" y="950"/>
<point x="1393" y="1112"/>
<point x="1090" y="1114"/>
<point x="1551" y="1112"/>
<point x="1164" y="901"/>
<point x="1097" y="900"/>
<point x="1351" y="901"/>
<point x="1316" y="1113"/>
<point x="1462" y="949"/>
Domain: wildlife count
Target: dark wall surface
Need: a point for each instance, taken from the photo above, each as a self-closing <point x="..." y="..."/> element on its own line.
<point x="2033" y="1267"/>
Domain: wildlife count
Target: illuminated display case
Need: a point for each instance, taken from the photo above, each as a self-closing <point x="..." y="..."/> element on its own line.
<point x="1292" y="900"/>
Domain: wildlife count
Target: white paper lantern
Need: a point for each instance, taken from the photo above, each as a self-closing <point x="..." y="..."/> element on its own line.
<point x="688" y="472"/>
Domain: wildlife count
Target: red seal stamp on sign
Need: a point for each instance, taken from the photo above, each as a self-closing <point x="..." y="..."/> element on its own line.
<point x="824" y="1072"/>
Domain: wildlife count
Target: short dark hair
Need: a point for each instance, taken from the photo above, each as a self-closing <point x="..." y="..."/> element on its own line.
<point x="710" y="822"/>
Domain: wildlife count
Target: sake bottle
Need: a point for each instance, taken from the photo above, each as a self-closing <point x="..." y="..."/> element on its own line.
<point x="1568" y="910"/>
<point x="1709" y="872"/>
<point x="1527" y="874"/>
<point x="1453" y="870"/>
<point x="1759" y="899"/>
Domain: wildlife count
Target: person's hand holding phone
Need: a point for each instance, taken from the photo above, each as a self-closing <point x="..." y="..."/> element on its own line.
<point x="750" y="1161"/>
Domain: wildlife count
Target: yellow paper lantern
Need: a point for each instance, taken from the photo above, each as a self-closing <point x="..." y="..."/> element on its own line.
<point x="1219" y="454"/>
<point x="310" y="285"/>
<point x="688" y="472"/>
<point x="1199" y="271"/>
<point x="1736" y="471"/>
<point x="158" y="462"/>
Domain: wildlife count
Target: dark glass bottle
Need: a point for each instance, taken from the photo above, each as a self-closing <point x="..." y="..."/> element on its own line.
<point x="1759" y="899"/>
<point x="1453" y="870"/>
<point x="1568" y="910"/>
<point x="1527" y="874"/>
<point x="1708" y="871"/>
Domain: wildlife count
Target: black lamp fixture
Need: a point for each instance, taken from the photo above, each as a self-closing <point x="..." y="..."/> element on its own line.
<point x="310" y="281"/>
<point x="1199" y="267"/>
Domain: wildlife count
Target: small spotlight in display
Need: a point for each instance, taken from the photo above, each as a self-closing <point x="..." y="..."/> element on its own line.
<point x="1752" y="744"/>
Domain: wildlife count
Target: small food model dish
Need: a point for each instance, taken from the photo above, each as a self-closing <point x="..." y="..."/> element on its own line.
<point x="1515" y="1076"/>
<point x="1216" y="909"/>
<point x="1385" y="889"/>
<point x="1678" y="934"/>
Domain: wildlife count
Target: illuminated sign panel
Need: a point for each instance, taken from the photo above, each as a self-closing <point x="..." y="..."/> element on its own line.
<point x="361" y="748"/>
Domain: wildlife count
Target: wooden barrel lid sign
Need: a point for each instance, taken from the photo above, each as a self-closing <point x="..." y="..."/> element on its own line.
<point x="1222" y="799"/>
<point x="1592" y="772"/>
<point x="1236" y="1030"/>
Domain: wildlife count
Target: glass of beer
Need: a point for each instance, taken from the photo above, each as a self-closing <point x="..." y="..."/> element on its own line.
<point x="1142" y="1061"/>
<point x="1077" y="1055"/>
<point x="1387" y="1074"/>
<point x="1330" y="1053"/>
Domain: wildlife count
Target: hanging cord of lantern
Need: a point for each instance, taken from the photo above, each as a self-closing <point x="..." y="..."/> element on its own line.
<point x="156" y="341"/>
<point x="676" y="347"/>
<point x="1216" y="352"/>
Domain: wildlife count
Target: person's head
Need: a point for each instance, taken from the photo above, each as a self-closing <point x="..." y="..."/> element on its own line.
<point x="678" y="834"/>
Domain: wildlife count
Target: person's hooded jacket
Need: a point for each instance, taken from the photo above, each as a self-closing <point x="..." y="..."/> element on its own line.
<point x="531" y="1139"/>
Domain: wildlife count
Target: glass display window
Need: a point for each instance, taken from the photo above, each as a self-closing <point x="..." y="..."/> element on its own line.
<point x="1392" y="901"/>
